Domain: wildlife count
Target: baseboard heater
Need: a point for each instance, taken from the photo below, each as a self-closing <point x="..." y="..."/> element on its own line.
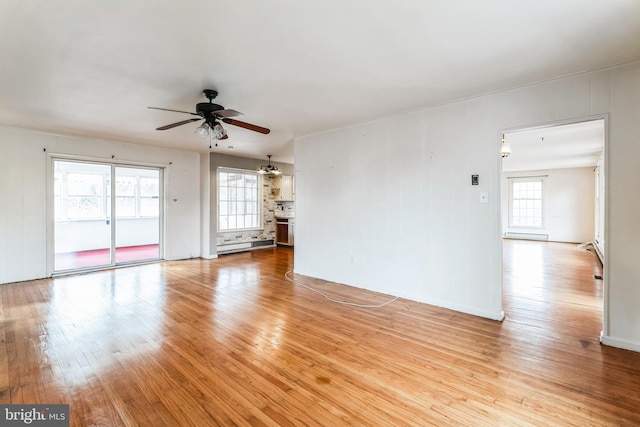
<point x="244" y="246"/>
<point x="527" y="236"/>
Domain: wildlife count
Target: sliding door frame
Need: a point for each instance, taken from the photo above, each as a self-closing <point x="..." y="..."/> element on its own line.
<point x="50" y="246"/>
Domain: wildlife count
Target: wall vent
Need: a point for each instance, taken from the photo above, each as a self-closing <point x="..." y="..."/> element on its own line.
<point x="526" y="236"/>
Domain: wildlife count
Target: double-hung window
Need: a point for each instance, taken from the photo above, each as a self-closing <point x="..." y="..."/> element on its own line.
<point x="526" y="207"/>
<point x="239" y="200"/>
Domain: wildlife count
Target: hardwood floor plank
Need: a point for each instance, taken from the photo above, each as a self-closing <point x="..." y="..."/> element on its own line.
<point x="231" y="341"/>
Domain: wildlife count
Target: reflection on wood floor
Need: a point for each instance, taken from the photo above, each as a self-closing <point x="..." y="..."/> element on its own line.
<point x="231" y="342"/>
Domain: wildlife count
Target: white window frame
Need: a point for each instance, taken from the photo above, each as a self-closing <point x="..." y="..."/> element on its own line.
<point x="259" y="204"/>
<point x="512" y="181"/>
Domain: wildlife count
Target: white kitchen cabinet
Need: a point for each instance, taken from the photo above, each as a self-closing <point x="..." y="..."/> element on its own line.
<point x="284" y="186"/>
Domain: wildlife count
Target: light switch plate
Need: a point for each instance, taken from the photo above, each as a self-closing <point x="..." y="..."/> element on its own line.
<point x="484" y="197"/>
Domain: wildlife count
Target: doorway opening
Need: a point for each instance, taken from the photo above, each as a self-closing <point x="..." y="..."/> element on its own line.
<point x="104" y="215"/>
<point x="553" y="214"/>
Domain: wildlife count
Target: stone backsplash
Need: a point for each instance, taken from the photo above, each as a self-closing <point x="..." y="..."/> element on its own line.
<point x="287" y="207"/>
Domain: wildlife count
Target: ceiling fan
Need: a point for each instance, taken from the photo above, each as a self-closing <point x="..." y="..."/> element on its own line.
<point x="212" y="114"/>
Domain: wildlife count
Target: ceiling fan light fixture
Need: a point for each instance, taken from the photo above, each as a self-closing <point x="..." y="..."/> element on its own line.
<point x="218" y="131"/>
<point x="203" y="130"/>
<point x="211" y="113"/>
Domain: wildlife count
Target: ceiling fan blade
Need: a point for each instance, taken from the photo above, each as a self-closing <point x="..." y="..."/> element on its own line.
<point x="172" y="125"/>
<point x="175" y="111"/>
<point x="245" y="125"/>
<point x="227" y="113"/>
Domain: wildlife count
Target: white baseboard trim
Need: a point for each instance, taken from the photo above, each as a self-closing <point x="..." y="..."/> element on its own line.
<point x="526" y="236"/>
<point x="620" y="343"/>
<point x="214" y="256"/>
<point x="499" y="316"/>
<point x="493" y="315"/>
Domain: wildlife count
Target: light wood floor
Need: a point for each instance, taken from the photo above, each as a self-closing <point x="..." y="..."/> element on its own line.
<point x="231" y="342"/>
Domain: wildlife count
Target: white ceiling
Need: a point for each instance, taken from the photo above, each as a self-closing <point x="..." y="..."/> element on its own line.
<point x="90" y="68"/>
<point x="571" y="145"/>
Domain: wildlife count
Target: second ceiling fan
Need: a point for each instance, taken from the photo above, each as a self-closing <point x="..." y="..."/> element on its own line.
<point x="212" y="114"/>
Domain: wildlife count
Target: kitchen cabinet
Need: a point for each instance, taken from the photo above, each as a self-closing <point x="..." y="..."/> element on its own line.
<point x="284" y="231"/>
<point x="284" y="188"/>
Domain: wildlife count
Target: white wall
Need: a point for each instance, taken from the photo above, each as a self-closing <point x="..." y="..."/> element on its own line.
<point x="205" y="208"/>
<point x="23" y="195"/>
<point x="622" y="171"/>
<point x="568" y="201"/>
<point x="388" y="205"/>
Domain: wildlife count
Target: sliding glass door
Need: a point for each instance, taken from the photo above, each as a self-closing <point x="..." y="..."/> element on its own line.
<point x="137" y="214"/>
<point x="92" y="229"/>
<point x="81" y="215"/>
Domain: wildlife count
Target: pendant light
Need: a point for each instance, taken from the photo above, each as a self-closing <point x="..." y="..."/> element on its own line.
<point x="506" y="148"/>
<point x="269" y="169"/>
